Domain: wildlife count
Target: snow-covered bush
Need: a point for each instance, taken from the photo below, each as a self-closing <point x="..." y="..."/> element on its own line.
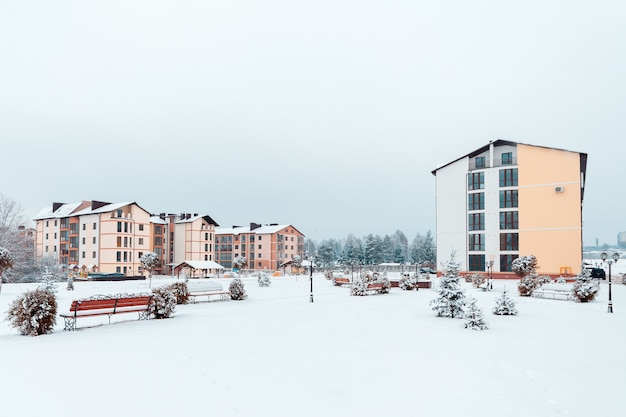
<point x="473" y="316"/>
<point x="164" y="302"/>
<point x="33" y="313"/>
<point x="524" y="265"/>
<point x="561" y="280"/>
<point x="527" y="284"/>
<point x="239" y="262"/>
<point x="359" y="287"/>
<point x="328" y="275"/>
<point x="477" y="279"/>
<point x="585" y="288"/>
<point x="543" y="279"/>
<point x="70" y="283"/>
<point x="180" y="291"/>
<point x="48" y="282"/>
<point x="237" y="292"/>
<point x="505" y="306"/>
<point x="451" y="298"/>
<point x="408" y="282"/>
<point x="264" y="280"/>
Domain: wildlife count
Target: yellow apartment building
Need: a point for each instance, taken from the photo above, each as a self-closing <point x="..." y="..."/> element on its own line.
<point x="509" y="199"/>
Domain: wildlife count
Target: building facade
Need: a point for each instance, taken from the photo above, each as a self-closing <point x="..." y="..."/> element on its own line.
<point x="265" y="247"/>
<point x="100" y="237"/>
<point x="509" y="199"/>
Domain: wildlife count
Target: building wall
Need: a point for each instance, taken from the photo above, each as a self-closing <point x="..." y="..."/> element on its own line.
<point x="550" y="223"/>
<point x="451" y="195"/>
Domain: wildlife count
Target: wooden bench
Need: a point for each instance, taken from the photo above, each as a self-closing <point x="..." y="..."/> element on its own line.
<point x="374" y="287"/>
<point x="108" y="305"/>
<point x="554" y="291"/>
<point x="207" y="289"/>
<point x="341" y="281"/>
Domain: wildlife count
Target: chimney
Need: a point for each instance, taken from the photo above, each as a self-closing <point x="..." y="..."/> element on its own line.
<point x="254" y="226"/>
<point x="56" y="206"/>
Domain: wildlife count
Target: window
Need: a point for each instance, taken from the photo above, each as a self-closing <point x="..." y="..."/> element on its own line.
<point x="84" y="226"/>
<point x="119" y="241"/>
<point x="119" y="227"/>
<point x="480" y="162"/>
<point x="94" y="226"/>
<point x="476" y="201"/>
<point x="206" y="236"/>
<point x="141" y="227"/>
<point x="509" y="241"/>
<point x="83" y="255"/>
<point x="125" y="241"/>
<point x="260" y="237"/>
<point x="47" y="223"/>
<point x="476" y="242"/>
<point x="477" y="262"/>
<point x="118" y="256"/>
<point x="140" y="240"/>
<point x="509" y="220"/>
<point x="508" y="198"/>
<point x="507" y="158"/>
<point x="125" y="227"/>
<point x="508" y="177"/>
<point x="93" y="254"/>
<point x="46" y="236"/>
<point x="259" y="246"/>
<point x="119" y="213"/>
<point x="476" y="221"/>
<point x="506" y="262"/>
<point x="476" y="181"/>
<point x="94" y="240"/>
<point x="83" y="241"/>
<point x="206" y="247"/>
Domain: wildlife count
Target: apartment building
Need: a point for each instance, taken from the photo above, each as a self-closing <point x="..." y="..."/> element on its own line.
<point x="509" y="199"/>
<point x="95" y="236"/>
<point x="265" y="247"/>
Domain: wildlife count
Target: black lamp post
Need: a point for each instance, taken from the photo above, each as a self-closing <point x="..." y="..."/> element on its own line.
<point x="615" y="258"/>
<point x="490" y="269"/>
<point x="311" y="258"/>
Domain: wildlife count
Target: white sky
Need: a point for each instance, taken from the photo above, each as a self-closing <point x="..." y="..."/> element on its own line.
<point x="329" y="115"/>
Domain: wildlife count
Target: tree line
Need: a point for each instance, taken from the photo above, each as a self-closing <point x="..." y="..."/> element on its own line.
<point x="374" y="250"/>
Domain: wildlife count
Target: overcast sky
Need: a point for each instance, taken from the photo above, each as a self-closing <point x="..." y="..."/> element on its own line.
<point x="328" y="115"/>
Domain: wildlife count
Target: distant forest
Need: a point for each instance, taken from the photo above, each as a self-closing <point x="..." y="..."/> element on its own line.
<point x="373" y="250"/>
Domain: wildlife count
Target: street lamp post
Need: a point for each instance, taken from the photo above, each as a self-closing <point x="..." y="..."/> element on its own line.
<point x="490" y="269"/>
<point x="615" y="258"/>
<point x="311" y="275"/>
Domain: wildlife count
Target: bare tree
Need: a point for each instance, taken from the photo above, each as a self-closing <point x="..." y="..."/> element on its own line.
<point x="150" y="260"/>
<point x="16" y="238"/>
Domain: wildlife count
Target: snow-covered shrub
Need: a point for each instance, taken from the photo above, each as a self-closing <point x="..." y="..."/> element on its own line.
<point x="585" y="288"/>
<point x="386" y="285"/>
<point x="505" y="306"/>
<point x="328" y="275"/>
<point x="543" y="279"/>
<point x="477" y="279"/>
<point x="451" y="298"/>
<point x="237" y="292"/>
<point x="180" y="291"/>
<point x="264" y="280"/>
<point x="473" y="316"/>
<point x="524" y="265"/>
<point x="408" y="282"/>
<point x="33" y="313"/>
<point x="561" y="280"/>
<point x="164" y="302"/>
<point x="359" y="287"/>
<point x="48" y="282"/>
<point x="70" y="283"/>
<point x="526" y="285"/>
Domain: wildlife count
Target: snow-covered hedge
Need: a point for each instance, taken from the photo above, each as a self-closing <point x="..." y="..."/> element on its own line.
<point x="237" y="291"/>
<point x="181" y="292"/>
<point x="527" y="284"/>
<point x="408" y="282"/>
<point x="34" y="313"/>
<point x="264" y="280"/>
<point x="164" y="302"/>
<point x="585" y="288"/>
<point x="477" y="279"/>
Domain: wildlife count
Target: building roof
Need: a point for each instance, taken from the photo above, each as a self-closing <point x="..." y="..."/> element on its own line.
<point x="60" y="210"/>
<point x="260" y="230"/>
<point x="199" y="265"/>
<point x="195" y="217"/>
<point x="496" y="143"/>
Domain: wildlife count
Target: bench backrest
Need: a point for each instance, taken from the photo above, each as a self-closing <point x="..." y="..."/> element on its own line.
<point x="110" y="303"/>
<point x="557" y="287"/>
<point x="205" y="286"/>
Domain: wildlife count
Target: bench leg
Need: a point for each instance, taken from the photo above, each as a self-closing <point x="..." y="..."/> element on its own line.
<point x="70" y="323"/>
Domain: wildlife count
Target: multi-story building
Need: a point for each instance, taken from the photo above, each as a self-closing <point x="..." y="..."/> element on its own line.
<point x="95" y="236"/>
<point x="508" y="199"/>
<point x="265" y="247"/>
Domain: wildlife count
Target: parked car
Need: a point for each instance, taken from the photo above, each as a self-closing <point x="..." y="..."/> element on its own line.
<point x="597" y="273"/>
<point x="427" y="271"/>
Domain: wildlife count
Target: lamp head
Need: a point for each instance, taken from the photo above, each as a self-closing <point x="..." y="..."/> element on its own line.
<point x="615" y="256"/>
<point x="603" y="256"/>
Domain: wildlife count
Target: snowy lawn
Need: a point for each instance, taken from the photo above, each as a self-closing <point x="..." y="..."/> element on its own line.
<point x="276" y="354"/>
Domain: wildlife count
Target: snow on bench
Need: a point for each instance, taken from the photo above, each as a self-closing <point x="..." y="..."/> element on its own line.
<point x="207" y="289"/>
<point x="554" y="291"/>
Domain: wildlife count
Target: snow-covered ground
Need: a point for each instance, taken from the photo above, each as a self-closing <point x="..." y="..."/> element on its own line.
<point x="277" y="354"/>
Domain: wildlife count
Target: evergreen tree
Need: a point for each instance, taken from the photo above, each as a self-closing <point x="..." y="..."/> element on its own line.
<point x="505" y="306"/>
<point x="474" y="319"/>
<point x="585" y="288"/>
<point x="451" y="298"/>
